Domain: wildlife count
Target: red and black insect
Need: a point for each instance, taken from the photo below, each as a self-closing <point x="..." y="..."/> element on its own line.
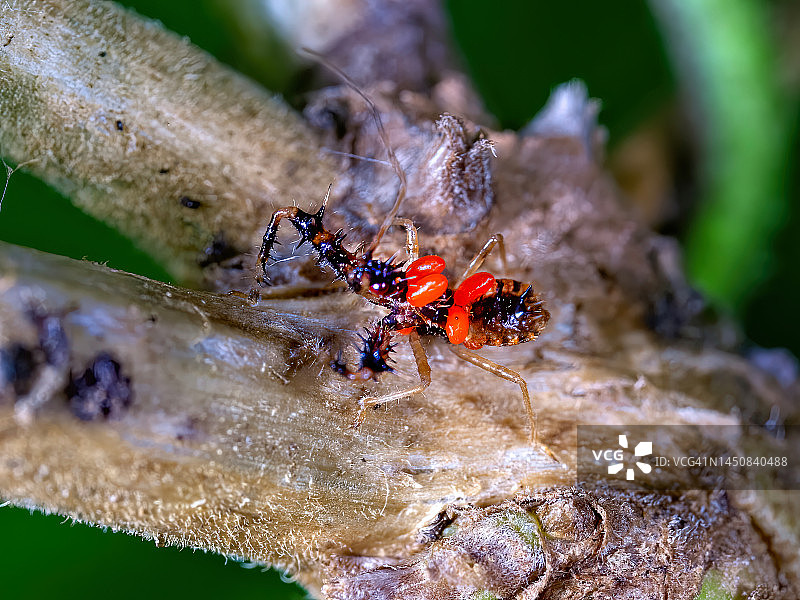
<point x="478" y="310"/>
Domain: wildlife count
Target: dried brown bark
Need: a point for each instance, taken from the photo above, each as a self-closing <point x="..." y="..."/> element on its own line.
<point x="238" y="435"/>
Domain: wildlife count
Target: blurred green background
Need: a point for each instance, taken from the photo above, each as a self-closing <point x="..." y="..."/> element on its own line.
<point x="700" y="102"/>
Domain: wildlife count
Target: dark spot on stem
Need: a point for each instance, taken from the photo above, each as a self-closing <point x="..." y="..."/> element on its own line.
<point x="189" y="203"/>
<point x="102" y="54"/>
<point x="163" y="171"/>
<point x="20" y="364"/>
<point x="101" y="391"/>
<point x="333" y="116"/>
<point x="17" y="367"/>
<point x="188" y="430"/>
<point x="217" y="251"/>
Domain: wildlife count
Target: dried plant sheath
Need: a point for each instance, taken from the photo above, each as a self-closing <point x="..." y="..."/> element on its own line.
<point x="147" y="132"/>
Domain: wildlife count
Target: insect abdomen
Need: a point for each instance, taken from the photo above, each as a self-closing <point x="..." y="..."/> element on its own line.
<point x="511" y="314"/>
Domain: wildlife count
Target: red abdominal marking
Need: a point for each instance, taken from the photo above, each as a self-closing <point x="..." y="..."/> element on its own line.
<point x="474" y="287"/>
<point x="424" y="290"/>
<point x="426" y="284"/>
<point x="470" y="290"/>
<point x="425" y="281"/>
<point x="425" y="265"/>
<point x="457" y="326"/>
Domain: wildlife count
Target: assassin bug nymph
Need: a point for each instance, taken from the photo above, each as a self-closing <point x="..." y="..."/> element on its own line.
<point x="478" y="310"/>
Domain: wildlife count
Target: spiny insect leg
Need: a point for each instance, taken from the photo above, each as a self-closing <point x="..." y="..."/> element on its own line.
<point x="269" y="241"/>
<point x="475" y="264"/>
<point x="374" y="353"/>
<point x="509" y="375"/>
<point x="424" y="370"/>
<point x="307" y="224"/>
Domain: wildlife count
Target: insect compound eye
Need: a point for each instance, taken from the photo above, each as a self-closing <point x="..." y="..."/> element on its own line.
<point x="457" y="326"/>
<point x="425" y="265"/>
<point x="424" y="290"/>
<point x="474" y="287"/>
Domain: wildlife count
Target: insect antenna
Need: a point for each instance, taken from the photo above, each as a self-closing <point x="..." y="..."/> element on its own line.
<point x="358" y="156"/>
<point x="401" y="175"/>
